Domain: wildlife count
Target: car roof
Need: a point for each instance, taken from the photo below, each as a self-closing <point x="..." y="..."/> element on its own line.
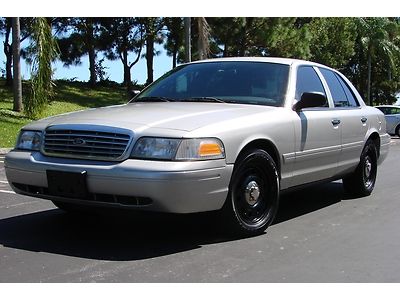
<point x="277" y="60"/>
<point x="390" y="106"/>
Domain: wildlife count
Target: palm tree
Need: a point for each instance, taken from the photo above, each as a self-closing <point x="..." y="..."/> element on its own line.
<point x="43" y="52"/>
<point x="188" y="38"/>
<point x="377" y="40"/>
<point x="16" y="50"/>
<point x="203" y="41"/>
<point x="203" y="38"/>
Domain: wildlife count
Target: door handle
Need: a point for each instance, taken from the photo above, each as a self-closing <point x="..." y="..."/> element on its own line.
<point x="364" y="119"/>
<point x="335" y="122"/>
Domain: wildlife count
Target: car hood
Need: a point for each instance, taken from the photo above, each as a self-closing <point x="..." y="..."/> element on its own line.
<point x="168" y="115"/>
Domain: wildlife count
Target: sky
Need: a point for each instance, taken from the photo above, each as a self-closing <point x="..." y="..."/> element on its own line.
<point x="162" y="64"/>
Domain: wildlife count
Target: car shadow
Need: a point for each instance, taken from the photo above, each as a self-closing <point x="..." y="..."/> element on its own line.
<point x="126" y="236"/>
<point x="310" y="199"/>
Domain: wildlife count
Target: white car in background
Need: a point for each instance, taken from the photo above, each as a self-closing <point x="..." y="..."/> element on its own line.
<point x="392" y="116"/>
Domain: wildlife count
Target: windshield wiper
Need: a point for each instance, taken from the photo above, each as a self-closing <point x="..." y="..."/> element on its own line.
<point x="153" y="99"/>
<point x="206" y="99"/>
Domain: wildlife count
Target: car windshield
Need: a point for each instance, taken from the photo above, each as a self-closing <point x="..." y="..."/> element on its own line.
<point x="229" y="81"/>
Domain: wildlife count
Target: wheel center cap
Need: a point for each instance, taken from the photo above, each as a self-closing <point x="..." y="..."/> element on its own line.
<point x="252" y="193"/>
<point x="368" y="167"/>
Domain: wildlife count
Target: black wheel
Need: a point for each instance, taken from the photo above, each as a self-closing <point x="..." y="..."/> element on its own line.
<point x="362" y="181"/>
<point x="253" y="196"/>
<point x="398" y="130"/>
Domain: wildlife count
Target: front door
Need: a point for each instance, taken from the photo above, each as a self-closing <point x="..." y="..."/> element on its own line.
<point x="318" y="134"/>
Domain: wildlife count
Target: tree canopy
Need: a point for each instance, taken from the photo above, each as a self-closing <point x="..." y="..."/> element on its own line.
<point x="367" y="50"/>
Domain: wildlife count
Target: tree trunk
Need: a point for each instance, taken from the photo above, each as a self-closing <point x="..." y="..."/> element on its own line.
<point x="369" y="99"/>
<point x="149" y="57"/>
<point x="127" y="71"/>
<point x="92" y="54"/>
<point x="92" y="67"/>
<point x="8" y="53"/>
<point x="225" y="53"/>
<point x="188" y="36"/>
<point x="174" y="56"/>
<point x="16" y="47"/>
<point x="244" y="39"/>
<point x="203" y="44"/>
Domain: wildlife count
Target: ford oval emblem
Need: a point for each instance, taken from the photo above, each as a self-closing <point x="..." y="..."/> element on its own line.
<point x="78" y="141"/>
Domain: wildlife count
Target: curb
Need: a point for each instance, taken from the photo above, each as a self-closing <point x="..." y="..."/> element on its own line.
<point x="4" y="151"/>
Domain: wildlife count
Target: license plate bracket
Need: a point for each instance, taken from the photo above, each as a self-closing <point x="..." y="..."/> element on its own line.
<point x="67" y="184"/>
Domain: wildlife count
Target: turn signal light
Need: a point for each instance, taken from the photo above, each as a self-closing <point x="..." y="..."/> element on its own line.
<point x="209" y="149"/>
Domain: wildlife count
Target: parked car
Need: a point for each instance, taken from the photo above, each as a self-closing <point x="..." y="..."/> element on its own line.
<point x="392" y="116"/>
<point x="224" y="134"/>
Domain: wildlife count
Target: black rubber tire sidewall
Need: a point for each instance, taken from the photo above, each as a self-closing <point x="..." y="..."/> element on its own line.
<point x="354" y="184"/>
<point x="232" y="219"/>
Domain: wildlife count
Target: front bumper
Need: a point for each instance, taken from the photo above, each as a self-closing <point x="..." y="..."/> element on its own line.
<point x="177" y="187"/>
<point x="385" y="145"/>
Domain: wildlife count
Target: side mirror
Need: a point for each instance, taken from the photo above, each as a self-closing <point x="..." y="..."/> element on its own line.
<point x="133" y="93"/>
<point x="310" y="99"/>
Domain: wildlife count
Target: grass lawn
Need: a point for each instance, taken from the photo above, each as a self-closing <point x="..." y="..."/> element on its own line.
<point x="69" y="96"/>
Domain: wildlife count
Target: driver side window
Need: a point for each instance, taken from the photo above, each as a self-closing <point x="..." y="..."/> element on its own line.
<point x="308" y="81"/>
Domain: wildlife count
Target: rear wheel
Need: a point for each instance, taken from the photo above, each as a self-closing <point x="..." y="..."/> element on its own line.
<point x="253" y="196"/>
<point x="398" y="130"/>
<point x="362" y="181"/>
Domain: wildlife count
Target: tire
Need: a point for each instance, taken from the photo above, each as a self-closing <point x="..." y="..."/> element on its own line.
<point x="362" y="181"/>
<point x="253" y="196"/>
<point x="398" y="130"/>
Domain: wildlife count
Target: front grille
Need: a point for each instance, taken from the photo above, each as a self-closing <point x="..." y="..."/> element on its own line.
<point x="87" y="144"/>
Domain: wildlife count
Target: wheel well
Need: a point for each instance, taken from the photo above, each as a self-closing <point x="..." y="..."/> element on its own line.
<point x="397" y="128"/>
<point x="267" y="146"/>
<point x="374" y="137"/>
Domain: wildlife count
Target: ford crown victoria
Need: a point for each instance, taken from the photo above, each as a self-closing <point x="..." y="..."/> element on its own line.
<point x="225" y="135"/>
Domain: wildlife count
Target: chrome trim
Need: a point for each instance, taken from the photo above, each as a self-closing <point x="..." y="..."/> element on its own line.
<point x="96" y="140"/>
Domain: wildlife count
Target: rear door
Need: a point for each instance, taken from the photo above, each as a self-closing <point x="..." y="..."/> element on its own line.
<point x="354" y="121"/>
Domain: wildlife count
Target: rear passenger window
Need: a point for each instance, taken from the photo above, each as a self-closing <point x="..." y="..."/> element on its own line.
<point x="337" y="91"/>
<point x="350" y="96"/>
<point x="341" y="94"/>
<point x="383" y="109"/>
<point x="308" y="81"/>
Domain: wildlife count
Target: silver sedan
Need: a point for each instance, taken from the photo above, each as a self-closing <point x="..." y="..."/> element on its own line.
<point x="226" y="134"/>
<point x="392" y="116"/>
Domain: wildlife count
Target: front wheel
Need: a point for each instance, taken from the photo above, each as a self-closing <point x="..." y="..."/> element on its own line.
<point x="253" y="196"/>
<point x="362" y="181"/>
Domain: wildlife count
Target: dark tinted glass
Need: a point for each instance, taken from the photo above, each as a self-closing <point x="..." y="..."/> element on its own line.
<point x="352" y="102"/>
<point x="307" y="81"/>
<point x="230" y="81"/>
<point x="396" y="111"/>
<point x="383" y="109"/>
<point x="337" y="91"/>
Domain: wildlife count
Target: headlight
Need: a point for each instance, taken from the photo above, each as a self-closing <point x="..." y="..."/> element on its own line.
<point x="178" y="149"/>
<point x="29" y="140"/>
<point x="155" y="148"/>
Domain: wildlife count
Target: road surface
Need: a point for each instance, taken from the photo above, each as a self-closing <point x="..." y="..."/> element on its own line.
<point x="320" y="235"/>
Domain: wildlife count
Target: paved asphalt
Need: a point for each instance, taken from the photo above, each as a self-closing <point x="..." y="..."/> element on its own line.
<point x="319" y="236"/>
